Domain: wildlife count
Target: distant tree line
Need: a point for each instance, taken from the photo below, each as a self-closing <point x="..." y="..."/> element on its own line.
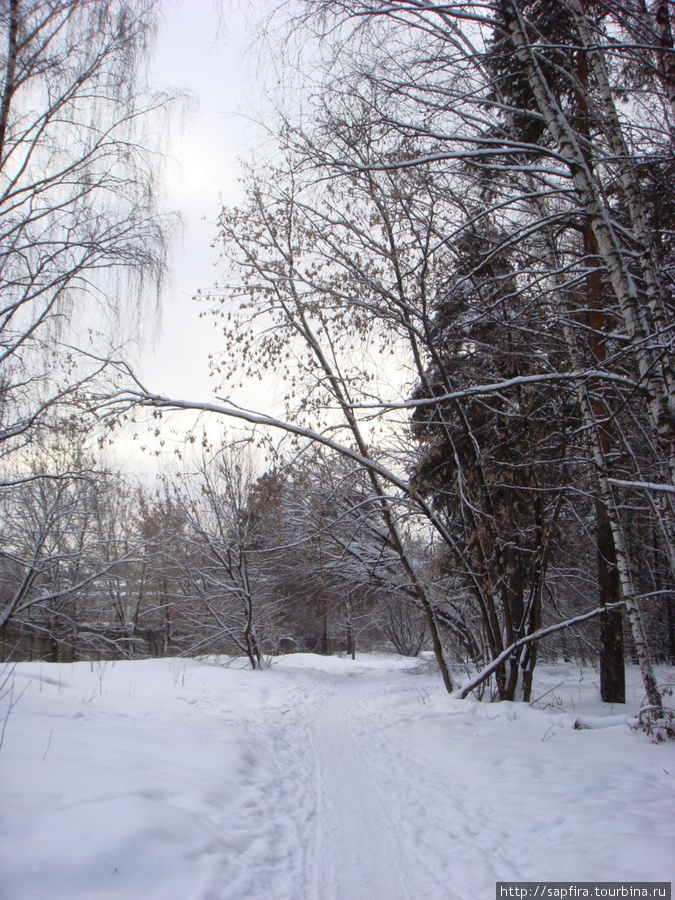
<point x="214" y="562"/>
<point x="223" y="561"/>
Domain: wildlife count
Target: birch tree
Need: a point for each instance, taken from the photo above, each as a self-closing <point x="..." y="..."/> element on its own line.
<point x="598" y="194"/>
<point x="80" y="236"/>
<point x="82" y="249"/>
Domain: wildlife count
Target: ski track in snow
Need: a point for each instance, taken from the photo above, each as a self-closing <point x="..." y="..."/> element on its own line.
<point x="357" y="848"/>
<point x="328" y="826"/>
<point x="357" y="811"/>
<point x="322" y="779"/>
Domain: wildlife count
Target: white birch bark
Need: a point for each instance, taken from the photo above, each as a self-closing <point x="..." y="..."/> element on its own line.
<point x="610" y="247"/>
<point x="605" y="493"/>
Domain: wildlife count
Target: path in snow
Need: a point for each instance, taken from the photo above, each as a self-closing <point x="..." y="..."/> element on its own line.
<point x="319" y="779"/>
<point x="356" y="848"/>
<point x="381" y="792"/>
<point x="331" y="819"/>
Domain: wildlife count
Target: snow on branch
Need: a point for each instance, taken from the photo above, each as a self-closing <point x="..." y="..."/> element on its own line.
<point x="643" y="485"/>
<point x="498" y="386"/>
<point x="463" y="692"/>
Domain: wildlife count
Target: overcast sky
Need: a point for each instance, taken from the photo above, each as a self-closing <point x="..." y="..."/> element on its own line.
<point x="201" y="48"/>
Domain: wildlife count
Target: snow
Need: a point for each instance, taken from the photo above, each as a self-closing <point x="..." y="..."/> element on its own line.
<point x="319" y="779"/>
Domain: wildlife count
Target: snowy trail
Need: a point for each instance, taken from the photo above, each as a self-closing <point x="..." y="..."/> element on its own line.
<point x="331" y="823"/>
<point x="382" y="792"/>
<point x="357" y="848"/>
<point x="319" y="779"/>
<point x="391" y="823"/>
<point x="355" y="812"/>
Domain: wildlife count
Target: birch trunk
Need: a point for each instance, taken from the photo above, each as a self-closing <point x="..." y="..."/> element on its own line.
<point x="606" y="499"/>
<point x="652" y="372"/>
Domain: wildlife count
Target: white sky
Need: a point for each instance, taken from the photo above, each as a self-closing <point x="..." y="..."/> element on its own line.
<point x="201" y="48"/>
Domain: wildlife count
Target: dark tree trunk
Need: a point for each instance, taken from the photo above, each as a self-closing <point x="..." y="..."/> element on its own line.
<point x="670" y="604"/>
<point x="514" y="604"/>
<point x="351" y="645"/>
<point x="325" y="643"/>
<point x="612" y="670"/>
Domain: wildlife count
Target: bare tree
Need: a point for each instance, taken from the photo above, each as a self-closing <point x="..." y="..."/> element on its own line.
<point x="81" y="249"/>
<point x="61" y="546"/>
<point x="79" y="231"/>
<point x="332" y="559"/>
<point x="544" y="142"/>
<point x="226" y="603"/>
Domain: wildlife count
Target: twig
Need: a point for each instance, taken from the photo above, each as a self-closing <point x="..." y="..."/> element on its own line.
<point x="536" y="700"/>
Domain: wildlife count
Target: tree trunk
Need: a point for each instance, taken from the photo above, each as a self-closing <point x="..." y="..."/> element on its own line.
<point x="10" y="72"/>
<point x="351" y="644"/>
<point x="612" y="667"/>
<point x="514" y="604"/>
<point x="612" y="670"/>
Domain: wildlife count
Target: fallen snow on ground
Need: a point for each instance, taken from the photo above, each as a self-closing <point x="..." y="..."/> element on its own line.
<point x="319" y="779"/>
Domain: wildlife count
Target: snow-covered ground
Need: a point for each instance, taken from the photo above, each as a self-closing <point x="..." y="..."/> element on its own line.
<point x="319" y="779"/>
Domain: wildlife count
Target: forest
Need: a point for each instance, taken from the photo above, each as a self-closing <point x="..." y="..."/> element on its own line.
<point x="455" y="261"/>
